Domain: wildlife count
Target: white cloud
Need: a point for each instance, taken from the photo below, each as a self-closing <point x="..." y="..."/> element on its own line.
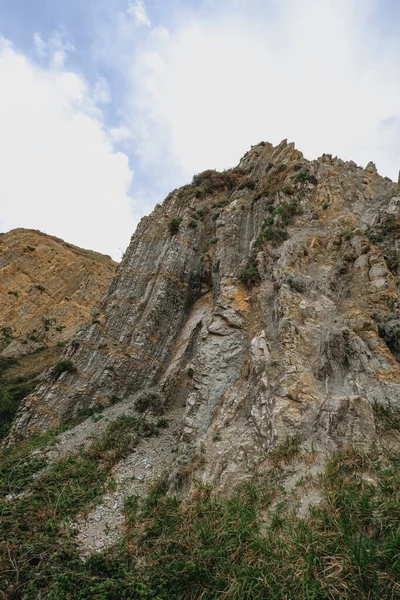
<point x="138" y="10"/>
<point x="56" y="49"/>
<point x="40" y="45"/>
<point x="101" y="93"/>
<point x="59" y="170"/>
<point x="316" y="72"/>
<point x="120" y="134"/>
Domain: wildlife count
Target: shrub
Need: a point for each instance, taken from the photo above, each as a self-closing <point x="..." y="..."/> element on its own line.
<point x="246" y="182"/>
<point x="312" y="179"/>
<point x="8" y="409"/>
<point x="261" y="193"/>
<point x="275" y="235"/>
<point x="149" y="400"/>
<point x="174" y="224"/>
<point x="6" y="332"/>
<point x="64" y="365"/>
<point x="302" y="177"/>
<point x="250" y="275"/>
<point x="6" y="362"/>
<point x="296" y="284"/>
<point x="211" y="181"/>
<point x="198" y="192"/>
<point x="389" y="331"/>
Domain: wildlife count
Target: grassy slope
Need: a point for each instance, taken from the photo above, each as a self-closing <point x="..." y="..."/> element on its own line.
<point x="18" y="378"/>
<point x="204" y="546"/>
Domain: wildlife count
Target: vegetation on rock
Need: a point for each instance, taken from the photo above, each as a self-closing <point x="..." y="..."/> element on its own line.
<point x="249" y="545"/>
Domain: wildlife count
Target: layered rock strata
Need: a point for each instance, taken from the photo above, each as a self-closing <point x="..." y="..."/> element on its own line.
<point x="262" y="302"/>
<point x="47" y="289"/>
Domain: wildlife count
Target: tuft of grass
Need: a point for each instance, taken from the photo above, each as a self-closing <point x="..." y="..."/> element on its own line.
<point x="287" y="451"/>
<point x="387" y="417"/>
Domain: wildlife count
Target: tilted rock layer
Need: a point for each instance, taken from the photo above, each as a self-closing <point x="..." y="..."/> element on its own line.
<point x="47" y="289"/>
<point x="262" y="302"/>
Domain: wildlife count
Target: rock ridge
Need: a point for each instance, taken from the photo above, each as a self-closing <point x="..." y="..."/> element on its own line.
<point x="261" y="303"/>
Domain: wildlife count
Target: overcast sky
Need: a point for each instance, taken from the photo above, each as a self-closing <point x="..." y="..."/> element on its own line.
<point x="107" y="105"/>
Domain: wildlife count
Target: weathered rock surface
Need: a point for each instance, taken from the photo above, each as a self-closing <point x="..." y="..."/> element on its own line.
<point x="47" y="289"/>
<point x="261" y="304"/>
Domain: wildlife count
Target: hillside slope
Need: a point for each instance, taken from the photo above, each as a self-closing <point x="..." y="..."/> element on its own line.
<point x="257" y="299"/>
<point x="47" y="290"/>
<point x="229" y="424"/>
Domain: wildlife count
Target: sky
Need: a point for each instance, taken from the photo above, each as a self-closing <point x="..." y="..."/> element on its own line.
<point x="108" y="105"/>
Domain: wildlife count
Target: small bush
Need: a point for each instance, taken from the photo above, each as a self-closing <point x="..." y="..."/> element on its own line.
<point x="64" y="365"/>
<point x="296" y="284"/>
<point x="6" y="362"/>
<point x="261" y="193"/>
<point x="312" y="179"/>
<point x="302" y="177"/>
<point x="149" y="401"/>
<point x="198" y="192"/>
<point x="201" y="213"/>
<point x="174" y="224"/>
<point x="250" y="275"/>
<point x="276" y="235"/>
<point x="389" y="331"/>
<point x="212" y="181"/>
<point x="246" y="182"/>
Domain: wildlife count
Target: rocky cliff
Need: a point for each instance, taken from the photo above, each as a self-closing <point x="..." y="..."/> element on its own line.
<point x="254" y="305"/>
<point x="47" y="289"/>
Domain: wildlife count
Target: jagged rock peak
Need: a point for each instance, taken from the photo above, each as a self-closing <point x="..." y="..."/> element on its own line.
<point x="259" y="303"/>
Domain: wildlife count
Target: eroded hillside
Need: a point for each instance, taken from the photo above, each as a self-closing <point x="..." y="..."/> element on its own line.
<point x="259" y="300"/>
<point x="47" y="290"/>
<point x="248" y="344"/>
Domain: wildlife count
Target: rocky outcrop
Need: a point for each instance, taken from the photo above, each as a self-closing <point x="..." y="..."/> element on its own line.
<point x="260" y="303"/>
<point x="47" y="289"/>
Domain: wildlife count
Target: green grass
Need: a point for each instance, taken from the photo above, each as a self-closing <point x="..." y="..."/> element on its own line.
<point x="206" y="546"/>
<point x="37" y="548"/>
<point x="12" y="391"/>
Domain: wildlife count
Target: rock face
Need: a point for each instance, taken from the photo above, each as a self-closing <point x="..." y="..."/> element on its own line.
<point x="47" y="289"/>
<point x="261" y="302"/>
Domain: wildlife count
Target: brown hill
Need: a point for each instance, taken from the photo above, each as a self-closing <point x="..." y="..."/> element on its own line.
<point x="47" y="289"/>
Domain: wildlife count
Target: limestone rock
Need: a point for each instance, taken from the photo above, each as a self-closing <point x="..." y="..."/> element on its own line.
<point x="267" y="310"/>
